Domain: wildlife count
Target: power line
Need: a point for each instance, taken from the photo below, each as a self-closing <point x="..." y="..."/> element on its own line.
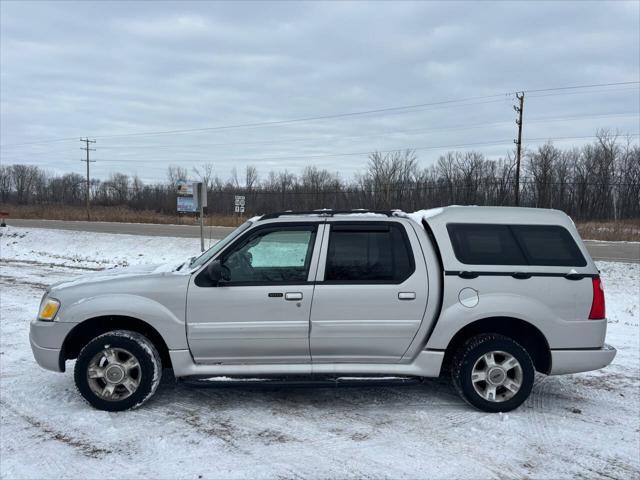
<point x="340" y="115"/>
<point x="558" y="94"/>
<point x="376" y="135"/>
<point x="40" y="142"/>
<point x="401" y="149"/>
<point x="380" y="134"/>
<point x="593" y="85"/>
<point x="345" y="154"/>
<point x="401" y="109"/>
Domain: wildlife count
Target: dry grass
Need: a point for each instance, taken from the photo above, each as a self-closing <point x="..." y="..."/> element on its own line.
<point x="627" y="230"/>
<point x="110" y="214"/>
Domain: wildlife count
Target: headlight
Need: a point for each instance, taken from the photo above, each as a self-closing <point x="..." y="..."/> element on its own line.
<point x="48" y="309"/>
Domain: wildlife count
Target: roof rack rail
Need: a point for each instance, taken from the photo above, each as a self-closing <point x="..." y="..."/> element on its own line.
<point x="327" y="212"/>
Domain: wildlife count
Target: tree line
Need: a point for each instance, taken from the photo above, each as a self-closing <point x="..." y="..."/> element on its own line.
<point x="598" y="181"/>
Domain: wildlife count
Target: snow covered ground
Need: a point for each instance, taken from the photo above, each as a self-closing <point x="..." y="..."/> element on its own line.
<point x="584" y="425"/>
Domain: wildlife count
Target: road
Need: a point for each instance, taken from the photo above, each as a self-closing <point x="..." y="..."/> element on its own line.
<point x="610" y="251"/>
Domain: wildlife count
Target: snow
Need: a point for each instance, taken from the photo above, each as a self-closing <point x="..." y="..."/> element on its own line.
<point x="584" y="425"/>
<point x="424" y="214"/>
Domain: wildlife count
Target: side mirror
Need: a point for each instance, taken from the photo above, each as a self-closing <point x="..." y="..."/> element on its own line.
<point x="218" y="272"/>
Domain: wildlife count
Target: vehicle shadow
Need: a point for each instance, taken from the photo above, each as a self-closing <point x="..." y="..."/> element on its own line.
<point x="301" y="394"/>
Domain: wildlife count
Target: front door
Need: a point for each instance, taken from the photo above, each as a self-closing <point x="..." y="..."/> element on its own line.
<point x="261" y="313"/>
<point x="371" y="293"/>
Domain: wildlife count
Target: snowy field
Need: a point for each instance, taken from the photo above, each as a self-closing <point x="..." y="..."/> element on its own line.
<point x="577" y="426"/>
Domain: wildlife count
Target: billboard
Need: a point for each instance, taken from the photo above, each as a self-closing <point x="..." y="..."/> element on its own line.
<point x="185" y="188"/>
<point x="187" y="205"/>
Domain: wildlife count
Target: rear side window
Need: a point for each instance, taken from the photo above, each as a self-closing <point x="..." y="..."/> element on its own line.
<point x="487" y="244"/>
<point x="482" y="244"/>
<point x="548" y="245"/>
<point x="365" y="253"/>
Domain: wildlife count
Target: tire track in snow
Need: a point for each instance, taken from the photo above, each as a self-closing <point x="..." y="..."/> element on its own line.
<point x="51" y="265"/>
<point x="13" y="281"/>
<point x="47" y="432"/>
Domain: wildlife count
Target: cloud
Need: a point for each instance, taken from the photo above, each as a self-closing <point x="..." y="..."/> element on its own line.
<point x="168" y="27"/>
<point x="103" y="68"/>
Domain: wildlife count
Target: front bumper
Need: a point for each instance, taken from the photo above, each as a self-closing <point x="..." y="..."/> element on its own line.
<point x="574" y="361"/>
<point x="46" y="340"/>
<point x="48" y="358"/>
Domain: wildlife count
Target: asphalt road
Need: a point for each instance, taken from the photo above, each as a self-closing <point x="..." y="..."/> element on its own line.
<point x="610" y="251"/>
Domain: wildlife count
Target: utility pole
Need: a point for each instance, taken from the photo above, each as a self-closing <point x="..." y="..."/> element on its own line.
<point x="87" y="149"/>
<point x="518" y="108"/>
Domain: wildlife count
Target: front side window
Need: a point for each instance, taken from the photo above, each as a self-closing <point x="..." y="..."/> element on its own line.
<point x="210" y="253"/>
<point x="280" y="255"/>
<point x="364" y="253"/>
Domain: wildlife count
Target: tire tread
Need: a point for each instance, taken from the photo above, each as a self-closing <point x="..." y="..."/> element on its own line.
<point x="142" y="342"/>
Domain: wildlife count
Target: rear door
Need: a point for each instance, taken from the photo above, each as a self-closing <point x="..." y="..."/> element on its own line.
<point x="371" y="292"/>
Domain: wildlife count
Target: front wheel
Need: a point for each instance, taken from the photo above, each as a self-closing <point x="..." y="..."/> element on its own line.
<point x="493" y="373"/>
<point x="118" y="370"/>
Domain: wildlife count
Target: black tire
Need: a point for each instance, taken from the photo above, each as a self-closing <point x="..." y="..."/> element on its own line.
<point x="149" y="369"/>
<point x="472" y="351"/>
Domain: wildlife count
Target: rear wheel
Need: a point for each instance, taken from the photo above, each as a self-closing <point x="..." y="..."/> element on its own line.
<point x="493" y="373"/>
<point x="118" y="370"/>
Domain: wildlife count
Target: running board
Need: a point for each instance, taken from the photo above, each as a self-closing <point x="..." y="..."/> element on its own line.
<point x="311" y="381"/>
<point x="426" y="364"/>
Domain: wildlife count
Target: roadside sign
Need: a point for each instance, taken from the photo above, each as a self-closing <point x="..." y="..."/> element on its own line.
<point x="239" y="201"/>
<point x="239" y="209"/>
<point x="191" y="197"/>
<point x="185" y="188"/>
<point x="187" y="205"/>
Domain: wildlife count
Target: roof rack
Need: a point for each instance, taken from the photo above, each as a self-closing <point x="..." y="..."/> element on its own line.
<point x="327" y="212"/>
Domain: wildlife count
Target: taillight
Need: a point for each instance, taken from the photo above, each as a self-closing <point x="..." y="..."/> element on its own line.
<point x="597" y="306"/>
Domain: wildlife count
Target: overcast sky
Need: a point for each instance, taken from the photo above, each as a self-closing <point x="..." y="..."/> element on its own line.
<point x="101" y="69"/>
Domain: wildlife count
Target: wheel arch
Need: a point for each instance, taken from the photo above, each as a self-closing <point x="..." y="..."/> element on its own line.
<point x="523" y="332"/>
<point x="87" y="330"/>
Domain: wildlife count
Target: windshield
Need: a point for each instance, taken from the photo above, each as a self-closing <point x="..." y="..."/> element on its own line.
<point x="204" y="258"/>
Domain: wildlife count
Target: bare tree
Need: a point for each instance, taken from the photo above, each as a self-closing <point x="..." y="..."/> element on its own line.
<point x="250" y="177"/>
<point x="234" y="182"/>
<point x="600" y="180"/>
<point x="5" y="182"/>
<point x="388" y="176"/>
<point x="541" y="165"/>
<point x="175" y="174"/>
<point x="23" y="178"/>
<point x="205" y="174"/>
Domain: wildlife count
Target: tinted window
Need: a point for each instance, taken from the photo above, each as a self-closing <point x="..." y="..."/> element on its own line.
<point x="272" y="256"/>
<point x="548" y="245"/>
<point x="481" y="244"/>
<point x="368" y="253"/>
<point x="485" y="244"/>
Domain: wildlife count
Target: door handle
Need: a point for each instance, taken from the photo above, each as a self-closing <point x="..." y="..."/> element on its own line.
<point x="406" y="295"/>
<point x="293" y="296"/>
<point x="468" y="275"/>
<point x="521" y="275"/>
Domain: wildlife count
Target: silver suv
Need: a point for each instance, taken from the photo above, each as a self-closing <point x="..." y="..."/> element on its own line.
<point x="488" y="294"/>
